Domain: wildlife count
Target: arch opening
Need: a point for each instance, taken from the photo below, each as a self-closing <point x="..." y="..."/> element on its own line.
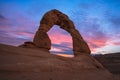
<point x="61" y="42"/>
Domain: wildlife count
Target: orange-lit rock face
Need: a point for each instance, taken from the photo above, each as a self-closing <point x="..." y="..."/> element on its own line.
<point x="55" y="17"/>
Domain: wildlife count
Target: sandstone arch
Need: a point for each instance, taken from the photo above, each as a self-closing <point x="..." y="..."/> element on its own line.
<point x="55" y="17"/>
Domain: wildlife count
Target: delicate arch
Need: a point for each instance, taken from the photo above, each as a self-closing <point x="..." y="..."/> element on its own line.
<point x="55" y="17"/>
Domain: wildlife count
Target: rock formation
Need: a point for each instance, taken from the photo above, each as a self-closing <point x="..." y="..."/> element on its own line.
<point x="54" y="17"/>
<point x="31" y="64"/>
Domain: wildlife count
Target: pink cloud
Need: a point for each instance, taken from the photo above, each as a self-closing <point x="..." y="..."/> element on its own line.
<point x="96" y="42"/>
<point x="57" y="37"/>
<point x="28" y="34"/>
<point x="116" y="43"/>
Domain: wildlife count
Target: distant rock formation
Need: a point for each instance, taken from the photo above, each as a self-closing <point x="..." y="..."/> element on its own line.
<point x="54" y="17"/>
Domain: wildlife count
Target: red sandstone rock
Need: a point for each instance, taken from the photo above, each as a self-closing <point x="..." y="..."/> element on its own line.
<point x="42" y="40"/>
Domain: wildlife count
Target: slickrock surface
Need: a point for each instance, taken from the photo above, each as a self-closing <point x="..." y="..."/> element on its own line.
<point x="18" y="63"/>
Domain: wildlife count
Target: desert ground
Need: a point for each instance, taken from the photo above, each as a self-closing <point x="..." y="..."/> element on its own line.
<point x="18" y="63"/>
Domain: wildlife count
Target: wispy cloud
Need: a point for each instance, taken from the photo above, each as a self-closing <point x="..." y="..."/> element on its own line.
<point x="16" y="31"/>
<point x="2" y="17"/>
<point x="5" y="38"/>
<point x="58" y="48"/>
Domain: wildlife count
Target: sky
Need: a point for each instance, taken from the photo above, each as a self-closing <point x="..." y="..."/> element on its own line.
<point x="98" y="21"/>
